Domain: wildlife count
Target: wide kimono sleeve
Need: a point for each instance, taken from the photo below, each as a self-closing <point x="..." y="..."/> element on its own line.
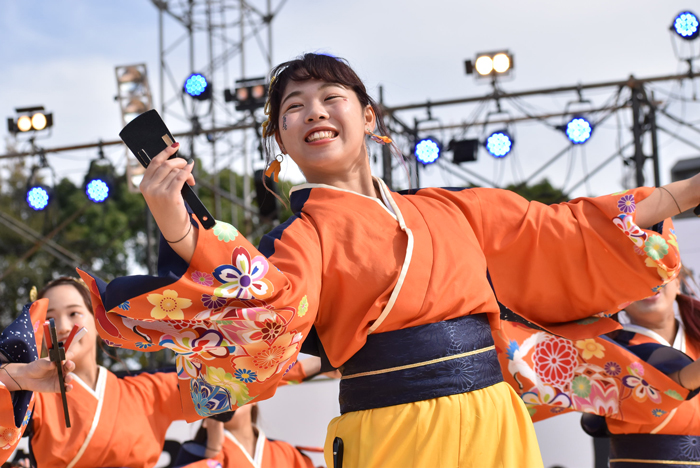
<point x="234" y="317"/>
<point x="562" y="263"/>
<point x="555" y="375"/>
<point x="18" y="344"/>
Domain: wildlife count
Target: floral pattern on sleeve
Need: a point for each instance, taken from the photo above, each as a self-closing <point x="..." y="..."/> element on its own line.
<point x="235" y="328"/>
<point x="656" y="247"/>
<point x="553" y="375"/>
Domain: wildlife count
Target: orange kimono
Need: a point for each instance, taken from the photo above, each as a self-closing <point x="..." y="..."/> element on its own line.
<point x="19" y="343"/>
<point x="268" y="454"/>
<point x="122" y="423"/>
<point x="351" y="266"/>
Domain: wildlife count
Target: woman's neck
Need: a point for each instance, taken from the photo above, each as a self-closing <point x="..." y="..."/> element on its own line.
<point x="88" y="372"/>
<point x="667" y="327"/>
<point x="356" y="178"/>
<point x="247" y="436"/>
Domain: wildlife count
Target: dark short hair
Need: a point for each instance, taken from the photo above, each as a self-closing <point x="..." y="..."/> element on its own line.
<point x="320" y="67"/>
<point x="77" y="283"/>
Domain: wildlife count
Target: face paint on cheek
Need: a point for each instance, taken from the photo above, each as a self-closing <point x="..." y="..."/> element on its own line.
<point x="284" y="122"/>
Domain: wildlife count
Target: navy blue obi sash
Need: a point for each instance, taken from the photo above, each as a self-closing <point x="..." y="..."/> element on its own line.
<point x="654" y="451"/>
<point x="420" y="363"/>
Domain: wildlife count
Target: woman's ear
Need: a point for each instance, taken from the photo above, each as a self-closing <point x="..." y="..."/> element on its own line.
<point x="370" y="118"/>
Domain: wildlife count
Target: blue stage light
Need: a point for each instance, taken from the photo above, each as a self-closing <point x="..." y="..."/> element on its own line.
<point x="97" y="190"/>
<point x="37" y="198"/>
<point x="196" y="85"/>
<point x="427" y="150"/>
<point x="579" y="130"/>
<point x="499" y="144"/>
<point x="686" y="25"/>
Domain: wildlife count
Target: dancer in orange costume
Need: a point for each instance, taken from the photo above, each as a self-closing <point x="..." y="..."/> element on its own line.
<point x="394" y="285"/>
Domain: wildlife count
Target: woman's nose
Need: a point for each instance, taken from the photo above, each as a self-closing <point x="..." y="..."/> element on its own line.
<point x="317" y="112"/>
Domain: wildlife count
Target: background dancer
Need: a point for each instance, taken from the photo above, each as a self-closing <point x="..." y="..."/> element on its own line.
<point x="409" y="270"/>
<point x="240" y="443"/>
<point x="114" y="422"/>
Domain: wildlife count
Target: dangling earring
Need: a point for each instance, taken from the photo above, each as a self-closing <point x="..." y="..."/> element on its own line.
<point x="275" y="167"/>
<point x="382" y="140"/>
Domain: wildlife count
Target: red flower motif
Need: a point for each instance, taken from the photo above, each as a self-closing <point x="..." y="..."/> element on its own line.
<point x="555" y="361"/>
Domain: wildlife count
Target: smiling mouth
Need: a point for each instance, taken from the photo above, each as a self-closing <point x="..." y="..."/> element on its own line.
<point x="321" y="135"/>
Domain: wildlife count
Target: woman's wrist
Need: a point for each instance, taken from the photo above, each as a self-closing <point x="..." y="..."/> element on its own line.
<point x="12" y="376"/>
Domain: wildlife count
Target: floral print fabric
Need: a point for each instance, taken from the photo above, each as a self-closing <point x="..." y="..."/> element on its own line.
<point x="231" y="342"/>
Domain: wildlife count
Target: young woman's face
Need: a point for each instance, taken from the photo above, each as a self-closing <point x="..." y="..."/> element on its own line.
<point x="657" y="307"/>
<point x="67" y="308"/>
<point x="322" y="127"/>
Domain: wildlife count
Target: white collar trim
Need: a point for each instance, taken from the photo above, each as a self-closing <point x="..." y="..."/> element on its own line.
<point x="257" y="459"/>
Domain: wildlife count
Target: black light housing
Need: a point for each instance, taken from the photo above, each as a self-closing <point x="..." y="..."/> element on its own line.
<point x="30" y="119"/>
<point x="464" y="150"/>
<point x="249" y="94"/>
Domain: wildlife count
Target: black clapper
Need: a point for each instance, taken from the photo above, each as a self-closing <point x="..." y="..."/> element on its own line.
<point x="337" y="452"/>
<point x="57" y="354"/>
<point x="146" y="136"/>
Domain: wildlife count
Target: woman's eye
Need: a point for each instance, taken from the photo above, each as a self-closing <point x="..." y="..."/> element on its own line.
<point x="331" y="97"/>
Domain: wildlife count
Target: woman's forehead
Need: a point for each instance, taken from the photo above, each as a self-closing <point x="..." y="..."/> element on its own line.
<point x="308" y="86"/>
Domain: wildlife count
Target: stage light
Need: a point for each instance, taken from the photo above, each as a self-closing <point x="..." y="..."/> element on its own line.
<point x="24" y="123"/>
<point x="578" y="130"/>
<point x="249" y="94"/>
<point x="501" y="63"/>
<point x="39" y="121"/>
<point x="686" y="25"/>
<point x="99" y="179"/>
<point x="484" y="65"/>
<point x="97" y="190"/>
<point x="490" y="64"/>
<point x="499" y="144"/>
<point x="37" y="198"/>
<point x="28" y="119"/>
<point x="197" y="86"/>
<point x="427" y="150"/>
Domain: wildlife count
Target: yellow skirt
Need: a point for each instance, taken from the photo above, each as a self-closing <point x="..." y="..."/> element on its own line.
<point x="487" y="428"/>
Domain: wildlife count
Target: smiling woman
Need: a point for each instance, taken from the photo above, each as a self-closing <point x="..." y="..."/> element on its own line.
<point x="114" y="422"/>
<point x="396" y="289"/>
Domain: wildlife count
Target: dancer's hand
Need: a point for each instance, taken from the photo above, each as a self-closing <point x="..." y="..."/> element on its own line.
<point x="161" y="186"/>
<point x="37" y="376"/>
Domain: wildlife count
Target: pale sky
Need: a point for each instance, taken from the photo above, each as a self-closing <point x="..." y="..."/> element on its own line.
<point x="62" y="54"/>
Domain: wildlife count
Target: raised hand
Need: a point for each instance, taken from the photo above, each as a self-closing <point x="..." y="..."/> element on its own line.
<point x="161" y="187"/>
<point x="37" y="376"/>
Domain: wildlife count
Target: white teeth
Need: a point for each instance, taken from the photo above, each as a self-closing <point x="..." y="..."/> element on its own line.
<point x="321" y="135"/>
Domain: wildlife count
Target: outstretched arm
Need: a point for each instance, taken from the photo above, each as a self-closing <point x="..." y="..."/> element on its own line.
<point x="668" y="201"/>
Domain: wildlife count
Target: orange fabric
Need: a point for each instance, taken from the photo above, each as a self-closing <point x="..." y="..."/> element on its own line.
<point x="10" y="434"/>
<point x="684" y="421"/>
<point x="336" y="263"/>
<point x="554" y="375"/>
<point x="136" y="414"/>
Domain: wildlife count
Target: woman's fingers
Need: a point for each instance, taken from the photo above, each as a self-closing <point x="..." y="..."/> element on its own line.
<point x="165" y="154"/>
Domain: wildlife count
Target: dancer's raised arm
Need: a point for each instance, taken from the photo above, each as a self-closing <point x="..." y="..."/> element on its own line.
<point x="161" y="187"/>
<point x="668" y="200"/>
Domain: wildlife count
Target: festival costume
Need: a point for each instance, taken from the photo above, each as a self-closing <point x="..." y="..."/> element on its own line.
<point x="122" y="422"/>
<point x="268" y="454"/>
<point x="350" y="266"/>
